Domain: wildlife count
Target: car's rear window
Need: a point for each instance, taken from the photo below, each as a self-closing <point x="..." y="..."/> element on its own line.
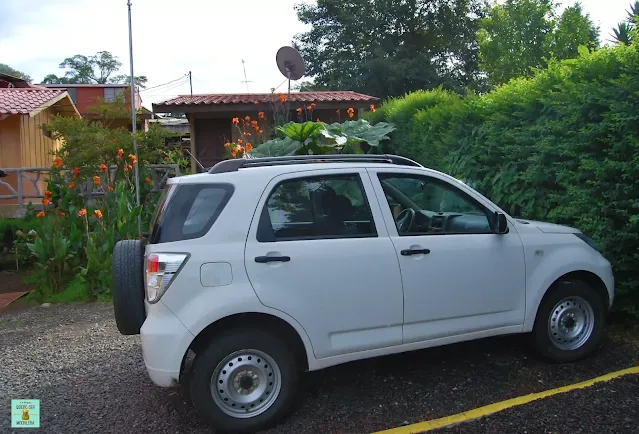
<point x="187" y="211"/>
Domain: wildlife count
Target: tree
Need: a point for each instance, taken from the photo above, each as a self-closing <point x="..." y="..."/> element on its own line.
<point x="95" y="69"/>
<point x="6" y="69"/>
<point x="520" y="35"/>
<point x="626" y="30"/>
<point x="390" y="47"/>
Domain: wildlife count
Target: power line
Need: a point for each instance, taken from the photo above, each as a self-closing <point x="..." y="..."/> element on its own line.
<point x="168" y="82"/>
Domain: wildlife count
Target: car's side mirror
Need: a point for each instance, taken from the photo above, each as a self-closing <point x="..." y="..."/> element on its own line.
<point x="500" y="224"/>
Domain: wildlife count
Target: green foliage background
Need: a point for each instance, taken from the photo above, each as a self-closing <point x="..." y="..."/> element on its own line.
<point x="562" y="146"/>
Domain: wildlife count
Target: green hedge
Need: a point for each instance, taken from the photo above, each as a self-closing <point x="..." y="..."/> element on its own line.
<point x="562" y="146"/>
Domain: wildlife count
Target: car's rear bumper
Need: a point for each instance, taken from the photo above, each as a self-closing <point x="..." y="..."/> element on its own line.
<point x="165" y="341"/>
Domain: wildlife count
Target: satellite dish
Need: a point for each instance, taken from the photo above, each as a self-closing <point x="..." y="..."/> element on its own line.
<point x="290" y="63"/>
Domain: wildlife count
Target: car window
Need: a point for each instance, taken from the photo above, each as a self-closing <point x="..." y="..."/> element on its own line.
<point x="318" y="207"/>
<point x="422" y="205"/>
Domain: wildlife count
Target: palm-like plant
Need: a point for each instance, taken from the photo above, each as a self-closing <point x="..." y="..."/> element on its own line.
<point x="626" y="31"/>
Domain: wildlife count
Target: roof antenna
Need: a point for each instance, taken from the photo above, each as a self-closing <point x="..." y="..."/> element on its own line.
<point x="291" y="65"/>
<point x="245" y="79"/>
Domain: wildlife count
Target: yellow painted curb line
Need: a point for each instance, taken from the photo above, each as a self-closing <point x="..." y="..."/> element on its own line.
<point x="503" y="405"/>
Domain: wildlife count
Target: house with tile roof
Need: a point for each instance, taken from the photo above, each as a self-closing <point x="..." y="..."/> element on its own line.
<point x="23" y="107"/>
<point x="211" y="116"/>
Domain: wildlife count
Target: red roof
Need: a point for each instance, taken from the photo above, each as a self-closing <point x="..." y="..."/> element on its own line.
<point x="23" y="101"/>
<point x="251" y="98"/>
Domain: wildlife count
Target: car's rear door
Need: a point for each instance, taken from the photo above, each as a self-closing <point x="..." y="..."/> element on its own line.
<point x="318" y="250"/>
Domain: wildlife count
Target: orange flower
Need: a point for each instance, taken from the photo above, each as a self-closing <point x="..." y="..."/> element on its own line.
<point x="119" y="154"/>
<point x="132" y="158"/>
<point x="240" y="141"/>
<point x="227" y="145"/>
<point x="57" y="162"/>
<point x="313" y="105"/>
<point x="46" y="201"/>
<point x="76" y="172"/>
<point x="257" y="128"/>
<point x="241" y="148"/>
<point x="299" y="111"/>
<point x="310" y="107"/>
<point x="110" y="188"/>
<point x="59" y="214"/>
<point x="96" y="180"/>
<point x="72" y="185"/>
<point x="234" y="152"/>
<point x="261" y="131"/>
<point x="261" y="115"/>
<point x="147" y="180"/>
<point x="338" y="111"/>
<point x="40" y="214"/>
<point x="82" y="212"/>
<point x="256" y="102"/>
<point x="282" y="98"/>
<point x="166" y="159"/>
<point x="128" y="167"/>
<point x="236" y="121"/>
<point x="103" y="167"/>
<point x="97" y="214"/>
<point x="249" y="147"/>
<point x="351" y="112"/>
<point x="47" y="193"/>
<point x="247" y="118"/>
<point x="253" y="123"/>
<point x="372" y="107"/>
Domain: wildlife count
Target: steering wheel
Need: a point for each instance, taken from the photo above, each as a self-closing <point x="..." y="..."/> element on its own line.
<point x="405" y="220"/>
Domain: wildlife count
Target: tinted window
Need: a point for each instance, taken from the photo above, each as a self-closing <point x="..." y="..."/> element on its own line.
<point x="317" y="207"/>
<point x="440" y="208"/>
<point x="188" y="211"/>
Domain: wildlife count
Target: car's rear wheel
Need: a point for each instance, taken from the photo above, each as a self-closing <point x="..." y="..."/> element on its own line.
<point x="244" y="381"/>
<point x="570" y="322"/>
<point x="128" y="286"/>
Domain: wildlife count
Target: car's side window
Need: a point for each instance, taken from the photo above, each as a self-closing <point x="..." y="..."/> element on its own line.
<point x="422" y="205"/>
<point x="318" y="207"/>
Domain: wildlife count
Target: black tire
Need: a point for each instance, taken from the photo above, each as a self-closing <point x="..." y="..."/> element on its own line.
<point x="541" y="335"/>
<point x="128" y="286"/>
<point x="221" y="347"/>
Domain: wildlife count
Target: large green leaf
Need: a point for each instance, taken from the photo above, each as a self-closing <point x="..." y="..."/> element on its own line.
<point x="358" y="131"/>
<point x="277" y="148"/>
<point x="300" y="132"/>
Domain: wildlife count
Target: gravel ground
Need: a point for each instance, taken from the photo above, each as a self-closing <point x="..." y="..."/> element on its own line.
<point x="89" y="378"/>
<point x="611" y="407"/>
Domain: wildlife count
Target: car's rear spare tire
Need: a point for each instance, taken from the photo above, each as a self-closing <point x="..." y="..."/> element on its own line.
<point x="570" y="322"/>
<point x="128" y="286"/>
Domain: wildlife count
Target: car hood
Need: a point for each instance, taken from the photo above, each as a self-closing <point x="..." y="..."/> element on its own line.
<point x="550" y="228"/>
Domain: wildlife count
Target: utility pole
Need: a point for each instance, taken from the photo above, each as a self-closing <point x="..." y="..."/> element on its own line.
<point x="191" y="83"/>
<point x="133" y="125"/>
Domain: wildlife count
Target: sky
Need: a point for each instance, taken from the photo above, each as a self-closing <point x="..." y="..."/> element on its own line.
<point x="210" y="38"/>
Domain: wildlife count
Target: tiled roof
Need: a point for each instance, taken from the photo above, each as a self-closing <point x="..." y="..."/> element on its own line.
<point x="25" y="100"/>
<point x="250" y="98"/>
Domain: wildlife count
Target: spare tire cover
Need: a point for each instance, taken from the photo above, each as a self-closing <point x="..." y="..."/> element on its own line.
<point x="128" y="286"/>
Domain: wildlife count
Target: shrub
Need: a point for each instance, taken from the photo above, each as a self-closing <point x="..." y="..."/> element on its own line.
<point x="562" y="146"/>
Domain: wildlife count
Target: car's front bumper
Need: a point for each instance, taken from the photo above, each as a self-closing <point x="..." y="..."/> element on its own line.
<point x="165" y="341"/>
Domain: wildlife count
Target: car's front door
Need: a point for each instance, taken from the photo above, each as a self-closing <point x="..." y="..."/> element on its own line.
<point x="459" y="276"/>
<point x="318" y="250"/>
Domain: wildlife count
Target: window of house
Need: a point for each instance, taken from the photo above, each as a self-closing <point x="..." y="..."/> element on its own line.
<point x="333" y="206"/>
<point x="111" y="93"/>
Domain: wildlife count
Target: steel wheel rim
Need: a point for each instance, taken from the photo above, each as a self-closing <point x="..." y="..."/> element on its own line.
<point x="571" y="323"/>
<point x="246" y="383"/>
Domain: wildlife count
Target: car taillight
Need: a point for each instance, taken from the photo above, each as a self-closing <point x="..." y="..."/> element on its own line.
<point x="161" y="269"/>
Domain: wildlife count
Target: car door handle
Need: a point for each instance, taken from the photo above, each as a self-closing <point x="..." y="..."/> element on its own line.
<point x="408" y="252"/>
<point x="265" y="259"/>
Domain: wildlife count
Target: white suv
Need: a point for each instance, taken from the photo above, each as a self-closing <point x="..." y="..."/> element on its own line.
<point x="269" y="267"/>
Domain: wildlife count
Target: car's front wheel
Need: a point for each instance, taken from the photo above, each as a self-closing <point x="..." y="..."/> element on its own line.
<point x="570" y="322"/>
<point x="244" y="381"/>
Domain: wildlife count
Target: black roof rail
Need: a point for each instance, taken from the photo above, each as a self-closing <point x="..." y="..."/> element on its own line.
<point x="234" y="165"/>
